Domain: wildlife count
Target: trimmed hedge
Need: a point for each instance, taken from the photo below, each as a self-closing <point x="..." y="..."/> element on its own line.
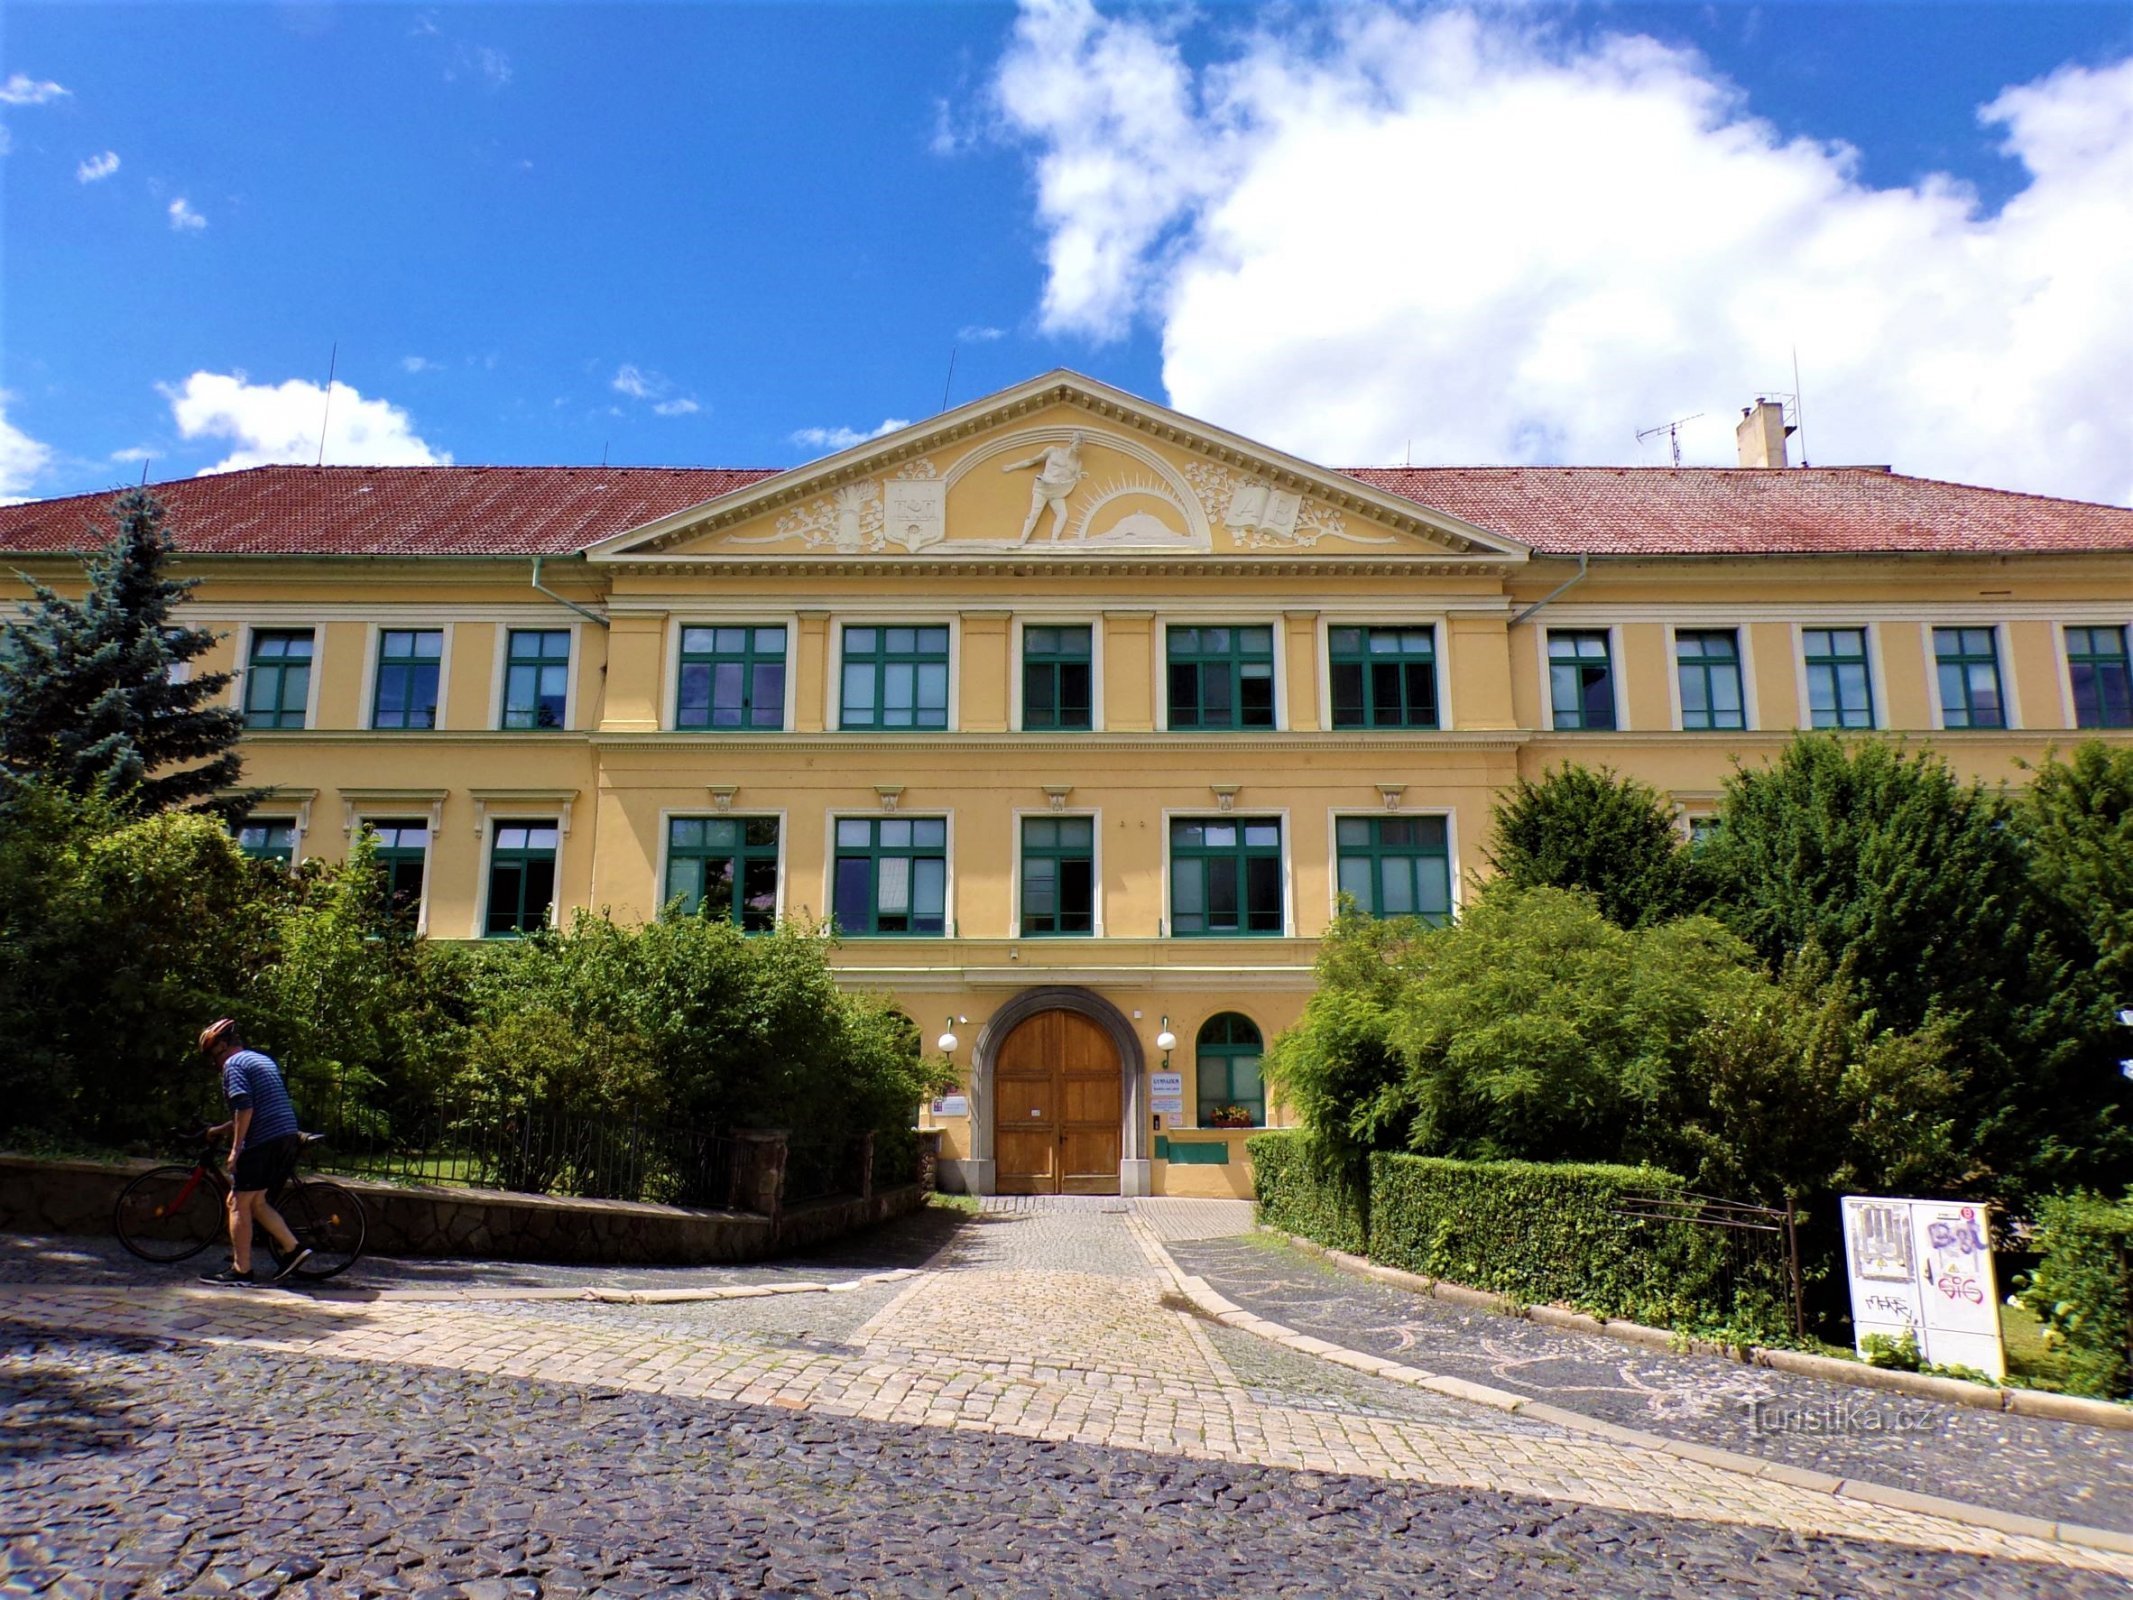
<point x="1537" y="1233"/>
<point x="1296" y="1196"/>
<point x="2083" y="1289"/>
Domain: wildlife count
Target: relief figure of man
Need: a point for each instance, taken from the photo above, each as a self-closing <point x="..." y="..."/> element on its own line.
<point x="1059" y="474"/>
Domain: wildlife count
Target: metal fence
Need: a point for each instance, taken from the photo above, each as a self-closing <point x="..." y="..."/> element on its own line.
<point x="1740" y="1260"/>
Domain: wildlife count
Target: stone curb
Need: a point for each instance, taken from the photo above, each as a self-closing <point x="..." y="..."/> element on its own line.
<point x="529" y="1292"/>
<point x="1952" y="1391"/>
<point x="2014" y="1523"/>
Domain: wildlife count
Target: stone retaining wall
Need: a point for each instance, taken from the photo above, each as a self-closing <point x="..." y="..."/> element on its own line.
<point x="77" y="1197"/>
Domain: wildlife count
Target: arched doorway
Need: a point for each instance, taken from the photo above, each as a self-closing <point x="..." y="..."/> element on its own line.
<point x="1056" y="1098"/>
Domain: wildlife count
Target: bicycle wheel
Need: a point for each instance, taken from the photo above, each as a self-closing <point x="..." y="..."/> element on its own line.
<point x="329" y="1219"/>
<point x="169" y="1214"/>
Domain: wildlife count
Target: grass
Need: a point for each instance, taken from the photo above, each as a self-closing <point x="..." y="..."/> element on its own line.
<point x="965" y="1203"/>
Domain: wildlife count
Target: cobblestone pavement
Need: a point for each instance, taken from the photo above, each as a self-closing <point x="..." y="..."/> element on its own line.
<point x="1029" y="1412"/>
<point x="2057" y="1470"/>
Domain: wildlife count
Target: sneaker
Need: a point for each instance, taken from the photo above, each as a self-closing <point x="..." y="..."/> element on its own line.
<point x="292" y="1263"/>
<point x="227" y="1275"/>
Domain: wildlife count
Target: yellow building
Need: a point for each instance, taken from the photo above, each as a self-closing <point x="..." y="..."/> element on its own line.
<point x="1078" y="714"/>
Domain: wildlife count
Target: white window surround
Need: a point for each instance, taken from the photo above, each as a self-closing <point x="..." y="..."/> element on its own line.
<point x="1094" y="622"/>
<point x="833" y="686"/>
<point x="242" y="666"/>
<point x="372" y="643"/>
<point x="500" y="668"/>
<point x="1334" y="814"/>
<point x="1876" y="677"/>
<point x="836" y="814"/>
<point x="2010" y="701"/>
<point x="1751" y="710"/>
<point x="711" y="813"/>
<point x="1016" y="817"/>
<point x="1165" y="621"/>
<point x="360" y="806"/>
<point x="2065" y="667"/>
<point x="670" y="666"/>
<point x="1438" y="624"/>
<point x="1615" y="675"/>
<point x="1213" y="813"/>
<point x="486" y="828"/>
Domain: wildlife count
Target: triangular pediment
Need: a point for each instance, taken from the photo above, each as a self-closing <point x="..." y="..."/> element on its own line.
<point x="1061" y="467"/>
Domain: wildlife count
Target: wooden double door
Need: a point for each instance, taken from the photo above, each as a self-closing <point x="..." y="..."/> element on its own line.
<point x="1058" y="1108"/>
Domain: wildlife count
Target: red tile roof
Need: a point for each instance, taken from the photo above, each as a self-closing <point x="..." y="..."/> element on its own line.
<point x="1605" y="511"/>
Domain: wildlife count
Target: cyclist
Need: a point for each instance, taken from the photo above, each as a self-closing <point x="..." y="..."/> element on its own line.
<point x="263" y="1146"/>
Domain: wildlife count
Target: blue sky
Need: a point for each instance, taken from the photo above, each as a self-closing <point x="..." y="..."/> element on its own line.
<point x="733" y="235"/>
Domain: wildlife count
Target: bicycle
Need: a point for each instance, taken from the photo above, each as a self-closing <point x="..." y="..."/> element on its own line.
<point x="172" y="1213"/>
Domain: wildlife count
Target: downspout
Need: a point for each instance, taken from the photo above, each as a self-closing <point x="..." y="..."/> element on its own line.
<point x="594" y="616"/>
<point x="1561" y="589"/>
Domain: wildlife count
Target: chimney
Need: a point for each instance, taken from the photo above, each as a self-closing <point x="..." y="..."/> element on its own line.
<point x="1762" y="434"/>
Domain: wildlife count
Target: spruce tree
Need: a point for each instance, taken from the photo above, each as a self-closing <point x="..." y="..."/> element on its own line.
<point x="89" y="698"/>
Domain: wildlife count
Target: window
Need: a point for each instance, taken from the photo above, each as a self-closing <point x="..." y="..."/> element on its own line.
<point x="732" y="678"/>
<point x="1058" y="875"/>
<point x="1581" y="680"/>
<point x="1056" y="677"/>
<point x="1225" y="876"/>
<point x="891" y="875"/>
<point x="1396" y="866"/>
<point x="1231" y="1092"/>
<point x="1383" y="677"/>
<point x="521" y="877"/>
<point x="268" y="839"/>
<point x="277" y="683"/>
<point x="403" y="849"/>
<point x="1968" y="661"/>
<point x="536" y="677"/>
<point x="1703" y="828"/>
<point x="895" y="678"/>
<point x="725" y="867"/>
<point x="2102" y="679"/>
<point x="1840" y="691"/>
<point x="408" y="663"/>
<point x="1221" y="677"/>
<point x="1707" y="661"/>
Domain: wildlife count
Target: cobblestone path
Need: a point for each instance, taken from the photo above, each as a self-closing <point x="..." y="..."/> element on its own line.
<point x="1010" y="1404"/>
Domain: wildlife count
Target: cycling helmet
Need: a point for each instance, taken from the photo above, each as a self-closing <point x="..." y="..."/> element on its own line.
<point x="222" y="1028"/>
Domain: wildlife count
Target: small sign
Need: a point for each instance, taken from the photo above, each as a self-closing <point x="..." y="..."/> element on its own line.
<point x="1166" y="1093"/>
<point x="1166" y="1082"/>
<point x="952" y="1105"/>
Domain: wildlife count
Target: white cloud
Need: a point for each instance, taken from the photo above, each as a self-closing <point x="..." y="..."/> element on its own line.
<point x="844" y="438"/>
<point x="135" y="454"/>
<point x="23" y="90"/>
<point x="977" y="333"/>
<point x="419" y="364"/>
<point x="183" y="218"/>
<point x="640" y="383"/>
<point x="22" y="459"/>
<point x="481" y="61"/>
<point x="270" y="423"/>
<point x="1472" y="232"/>
<point x="681" y="406"/>
<point x="94" y="169"/>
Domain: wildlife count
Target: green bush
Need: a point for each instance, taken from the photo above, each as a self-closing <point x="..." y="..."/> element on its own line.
<point x="2083" y="1289"/>
<point x="1299" y="1192"/>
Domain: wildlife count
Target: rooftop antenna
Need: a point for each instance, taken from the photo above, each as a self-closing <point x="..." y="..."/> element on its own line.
<point x="1799" y="406"/>
<point x="603" y="455"/>
<point x="1672" y="430"/>
<point x="950" y="379"/>
<point x="326" y="410"/>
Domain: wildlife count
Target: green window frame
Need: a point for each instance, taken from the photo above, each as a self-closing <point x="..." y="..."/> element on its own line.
<point x="410" y="670"/>
<point x="403" y="851"/>
<point x="1581" y="679"/>
<point x="890" y="876"/>
<point x="1707" y="666"/>
<point x="1225" y="878"/>
<point x="1058" y="678"/>
<point x="2101" y="676"/>
<point x="732" y="679"/>
<point x="277" y="680"/>
<point x="725" y="868"/>
<point x="1221" y="677"/>
<point x="1058" y="877"/>
<point x="1396" y="866"/>
<point x="1840" y="678"/>
<point x="522" y="857"/>
<point x="1383" y="677"/>
<point x="1227" y="1058"/>
<point x="895" y="679"/>
<point x="1967" y="663"/>
<point x="268" y="839"/>
<point x="536" y="678"/>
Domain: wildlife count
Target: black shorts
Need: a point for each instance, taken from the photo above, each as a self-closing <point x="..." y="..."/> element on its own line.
<point x="266" y="1166"/>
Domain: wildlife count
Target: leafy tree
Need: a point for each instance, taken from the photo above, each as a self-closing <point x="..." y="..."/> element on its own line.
<point x="1611" y="836"/>
<point x="2077" y="818"/>
<point x="88" y="695"/>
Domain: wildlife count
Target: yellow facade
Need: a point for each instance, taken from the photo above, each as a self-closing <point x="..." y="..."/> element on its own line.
<point x="1155" y="524"/>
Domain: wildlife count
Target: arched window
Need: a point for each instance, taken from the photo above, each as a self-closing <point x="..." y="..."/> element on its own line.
<point x="1231" y="1094"/>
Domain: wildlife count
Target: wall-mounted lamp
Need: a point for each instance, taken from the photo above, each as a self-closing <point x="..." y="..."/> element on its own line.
<point x="1166" y="1041"/>
<point x="948" y="1041"/>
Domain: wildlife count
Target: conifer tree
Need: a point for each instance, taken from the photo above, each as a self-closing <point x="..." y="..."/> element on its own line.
<point x="89" y="698"/>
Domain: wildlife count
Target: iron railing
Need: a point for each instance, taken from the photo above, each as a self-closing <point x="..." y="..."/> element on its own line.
<point x="1739" y="1259"/>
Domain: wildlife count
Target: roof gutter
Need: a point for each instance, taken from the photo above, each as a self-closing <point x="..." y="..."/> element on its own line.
<point x="1561" y="589"/>
<point x="589" y="613"/>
